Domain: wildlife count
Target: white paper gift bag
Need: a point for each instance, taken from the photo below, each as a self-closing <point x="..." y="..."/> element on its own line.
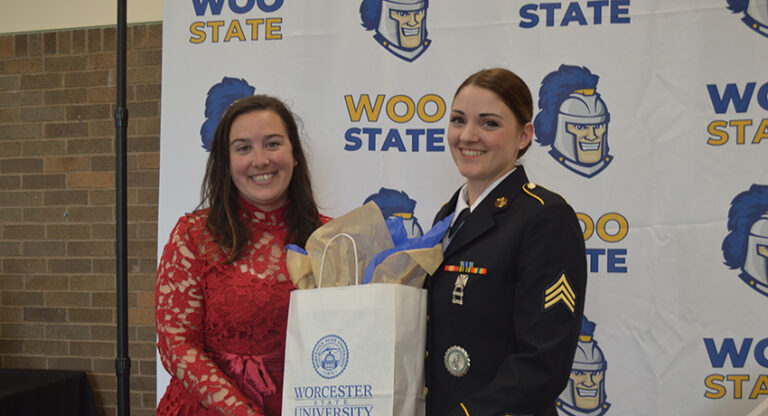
<point x="355" y="351"/>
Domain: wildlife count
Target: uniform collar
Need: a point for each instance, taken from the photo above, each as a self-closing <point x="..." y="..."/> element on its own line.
<point x="462" y="201"/>
<point x="497" y="199"/>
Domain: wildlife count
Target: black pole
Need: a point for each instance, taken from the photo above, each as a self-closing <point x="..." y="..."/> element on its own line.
<point x="123" y="362"/>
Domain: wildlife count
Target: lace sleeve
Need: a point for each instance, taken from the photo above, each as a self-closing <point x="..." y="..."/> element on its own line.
<point x="180" y="310"/>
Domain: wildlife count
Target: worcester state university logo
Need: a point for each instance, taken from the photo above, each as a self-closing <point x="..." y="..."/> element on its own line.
<point x="400" y="25"/>
<point x="754" y="14"/>
<point x="746" y="245"/>
<point x="330" y="356"/>
<point x="585" y="393"/>
<point x="573" y="120"/>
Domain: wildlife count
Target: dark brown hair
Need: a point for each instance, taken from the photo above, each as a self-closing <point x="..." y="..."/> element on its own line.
<point x="509" y="88"/>
<point x="220" y="194"/>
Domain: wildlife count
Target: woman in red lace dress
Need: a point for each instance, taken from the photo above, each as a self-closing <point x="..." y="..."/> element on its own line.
<point x="222" y="286"/>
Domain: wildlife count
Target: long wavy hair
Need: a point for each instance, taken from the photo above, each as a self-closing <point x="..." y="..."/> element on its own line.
<point x="220" y="195"/>
<point x="510" y="88"/>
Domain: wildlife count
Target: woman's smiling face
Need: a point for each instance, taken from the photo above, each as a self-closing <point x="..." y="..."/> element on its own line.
<point x="261" y="158"/>
<point x="484" y="136"/>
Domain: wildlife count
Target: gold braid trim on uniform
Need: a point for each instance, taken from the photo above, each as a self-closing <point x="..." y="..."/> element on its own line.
<point x="466" y="412"/>
<point x="531" y="185"/>
<point x="525" y="189"/>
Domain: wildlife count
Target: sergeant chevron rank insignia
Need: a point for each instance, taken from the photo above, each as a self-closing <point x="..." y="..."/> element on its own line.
<point x="560" y="292"/>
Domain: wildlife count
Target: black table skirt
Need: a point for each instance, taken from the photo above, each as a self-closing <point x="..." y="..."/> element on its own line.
<point x="45" y="392"/>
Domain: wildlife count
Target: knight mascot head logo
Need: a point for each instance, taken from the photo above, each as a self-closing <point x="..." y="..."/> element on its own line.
<point x="573" y="120"/>
<point x="400" y="25"/>
<point x="746" y="245"/>
<point x="397" y="206"/>
<point x="585" y="393"/>
<point x="220" y="97"/>
<point x="755" y="13"/>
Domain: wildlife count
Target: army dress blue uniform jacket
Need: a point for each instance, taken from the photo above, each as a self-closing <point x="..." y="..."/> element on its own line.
<point x="518" y="322"/>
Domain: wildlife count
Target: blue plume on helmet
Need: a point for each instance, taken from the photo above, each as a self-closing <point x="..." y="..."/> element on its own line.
<point x="369" y="13"/>
<point x="746" y="208"/>
<point x="737" y="6"/>
<point x="391" y="202"/>
<point x="555" y="88"/>
<point x="587" y="326"/>
<point x="220" y="97"/>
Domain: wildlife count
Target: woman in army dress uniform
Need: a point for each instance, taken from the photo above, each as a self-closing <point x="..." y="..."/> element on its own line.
<point x="505" y="307"/>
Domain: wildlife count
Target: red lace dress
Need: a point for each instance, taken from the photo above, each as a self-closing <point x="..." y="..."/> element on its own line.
<point x="221" y="327"/>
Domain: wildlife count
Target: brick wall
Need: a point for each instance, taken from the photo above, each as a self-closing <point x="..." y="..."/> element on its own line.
<point x="57" y="221"/>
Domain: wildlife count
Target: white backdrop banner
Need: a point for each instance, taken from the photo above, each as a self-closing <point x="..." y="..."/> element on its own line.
<point x="652" y="121"/>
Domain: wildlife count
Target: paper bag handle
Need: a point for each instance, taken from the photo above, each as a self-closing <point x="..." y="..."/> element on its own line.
<point x="322" y="261"/>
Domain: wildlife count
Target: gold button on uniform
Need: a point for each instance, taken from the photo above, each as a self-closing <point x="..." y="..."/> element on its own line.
<point x="426" y="353"/>
<point x="426" y="390"/>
